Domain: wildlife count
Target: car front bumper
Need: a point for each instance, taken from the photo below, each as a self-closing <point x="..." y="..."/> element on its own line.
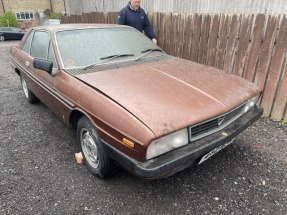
<point x="178" y="159"/>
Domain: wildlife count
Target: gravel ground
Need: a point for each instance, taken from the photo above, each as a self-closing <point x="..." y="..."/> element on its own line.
<point x="40" y="176"/>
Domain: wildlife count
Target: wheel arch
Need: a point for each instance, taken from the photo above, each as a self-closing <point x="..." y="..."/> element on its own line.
<point x="17" y="71"/>
<point x="74" y="118"/>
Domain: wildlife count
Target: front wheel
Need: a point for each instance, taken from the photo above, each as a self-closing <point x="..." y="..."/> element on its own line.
<point x="2" y="38"/>
<point x="95" y="156"/>
<point x="28" y="93"/>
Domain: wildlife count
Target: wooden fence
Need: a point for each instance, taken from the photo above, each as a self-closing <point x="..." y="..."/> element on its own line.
<point x="252" y="46"/>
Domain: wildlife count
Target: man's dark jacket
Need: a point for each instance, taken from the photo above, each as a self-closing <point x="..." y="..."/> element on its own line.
<point x="137" y="19"/>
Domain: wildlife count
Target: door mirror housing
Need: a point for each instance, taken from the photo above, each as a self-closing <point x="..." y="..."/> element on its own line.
<point x="43" y="65"/>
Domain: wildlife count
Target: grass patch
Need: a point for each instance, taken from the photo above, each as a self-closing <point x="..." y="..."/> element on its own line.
<point x="283" y="122"/>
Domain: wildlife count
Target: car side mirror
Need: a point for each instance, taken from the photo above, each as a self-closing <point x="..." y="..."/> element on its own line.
<point x="43" y="65"/>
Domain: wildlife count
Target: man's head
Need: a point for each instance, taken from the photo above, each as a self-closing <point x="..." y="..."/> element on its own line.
<point x="135" y="4"/>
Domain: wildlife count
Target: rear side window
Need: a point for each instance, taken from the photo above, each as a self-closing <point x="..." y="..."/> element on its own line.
<point x="16" y="30"/>
<point x="40" y="45"/>
<point x="7" y="29"/>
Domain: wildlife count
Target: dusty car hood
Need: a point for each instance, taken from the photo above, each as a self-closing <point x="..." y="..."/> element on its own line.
<point x="172" y="94"/>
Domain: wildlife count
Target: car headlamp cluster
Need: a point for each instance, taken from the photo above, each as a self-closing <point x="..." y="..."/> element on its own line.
<point x="180" y="138"/>
<point x="251" y="103"/>
<point x="167" y="143"/>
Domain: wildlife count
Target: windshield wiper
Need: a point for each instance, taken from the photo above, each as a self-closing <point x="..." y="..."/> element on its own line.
<point x="110" y="57"/>
<point x="107" y="58"/>
<point x="148" y="51"/>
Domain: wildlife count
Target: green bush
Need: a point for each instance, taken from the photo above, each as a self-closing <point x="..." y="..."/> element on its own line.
<point x="283" y="122"/>
<point x="55" y="15"/>
<point x="52" y="15"/>
<point x="8" y="19"/>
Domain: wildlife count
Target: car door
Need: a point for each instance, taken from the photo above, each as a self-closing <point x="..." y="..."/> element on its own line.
<point x="41" y="83"/>
<point x="17" y="33"/>
<point x="36" y="45"/>
<point x="7" y="32"/>
<point x="14" y="33"/>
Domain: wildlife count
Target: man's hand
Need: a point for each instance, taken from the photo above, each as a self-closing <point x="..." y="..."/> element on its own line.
<point x="154" y="41"/>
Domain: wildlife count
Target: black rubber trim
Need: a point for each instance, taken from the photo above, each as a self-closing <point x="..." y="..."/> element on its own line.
<point x="185" y="156"/>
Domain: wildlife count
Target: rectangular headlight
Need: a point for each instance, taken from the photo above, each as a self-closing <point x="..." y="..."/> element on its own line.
<point x="251" y="103"/>
<point x="167" y="143"/>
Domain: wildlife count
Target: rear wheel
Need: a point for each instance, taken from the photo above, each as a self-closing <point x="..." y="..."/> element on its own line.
<point x="2" y="38"/>
<point x="28" y="93"/>
<point x="95" y="156"/>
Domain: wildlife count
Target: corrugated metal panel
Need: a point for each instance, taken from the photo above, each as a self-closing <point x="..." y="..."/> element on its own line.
<point x="183" y="6"/>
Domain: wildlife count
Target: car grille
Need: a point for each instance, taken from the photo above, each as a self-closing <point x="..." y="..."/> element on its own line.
<point x="211" y="126"/>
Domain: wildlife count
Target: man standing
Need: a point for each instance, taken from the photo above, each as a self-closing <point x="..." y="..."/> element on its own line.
<point x="134" y="16"/>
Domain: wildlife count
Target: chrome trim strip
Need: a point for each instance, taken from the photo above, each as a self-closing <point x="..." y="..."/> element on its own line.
<point x="44" y="85"/>
<point x="70" y="104"/>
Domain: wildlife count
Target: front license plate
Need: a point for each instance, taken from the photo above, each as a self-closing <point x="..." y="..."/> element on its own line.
<point x="214" y="151"/>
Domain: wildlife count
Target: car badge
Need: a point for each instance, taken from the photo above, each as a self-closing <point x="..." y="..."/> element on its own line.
<point x="220" y="120"/>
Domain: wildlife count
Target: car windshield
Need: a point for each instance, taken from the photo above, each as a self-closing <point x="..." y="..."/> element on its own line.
<point x="85" y="47"/>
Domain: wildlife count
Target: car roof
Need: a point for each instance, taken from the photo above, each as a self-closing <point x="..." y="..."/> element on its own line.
<point x="8" y="27"/>
<point x="63" y="27"/>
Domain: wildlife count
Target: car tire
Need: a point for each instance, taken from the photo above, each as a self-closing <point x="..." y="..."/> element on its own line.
<point x="2" y="38"/>
<point x="94" y="153"/>
<point x="27" y="92"/>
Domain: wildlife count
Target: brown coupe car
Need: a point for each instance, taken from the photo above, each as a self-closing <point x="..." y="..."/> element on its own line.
<point x="132" y="104"/>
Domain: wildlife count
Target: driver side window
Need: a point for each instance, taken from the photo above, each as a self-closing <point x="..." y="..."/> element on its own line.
<point x="40" y="45"/>
<point x="27" y="44"/>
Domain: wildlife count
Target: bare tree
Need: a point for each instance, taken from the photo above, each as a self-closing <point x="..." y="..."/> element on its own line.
<point x="51" y="6"/>
<point x="3" y="6"/>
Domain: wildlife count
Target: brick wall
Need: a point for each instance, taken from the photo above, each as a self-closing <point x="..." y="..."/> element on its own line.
<point x="58" y="5"/>
<point x="34" y="6"/>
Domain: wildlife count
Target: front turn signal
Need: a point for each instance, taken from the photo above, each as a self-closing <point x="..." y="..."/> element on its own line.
<point x="128" y="143"/>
